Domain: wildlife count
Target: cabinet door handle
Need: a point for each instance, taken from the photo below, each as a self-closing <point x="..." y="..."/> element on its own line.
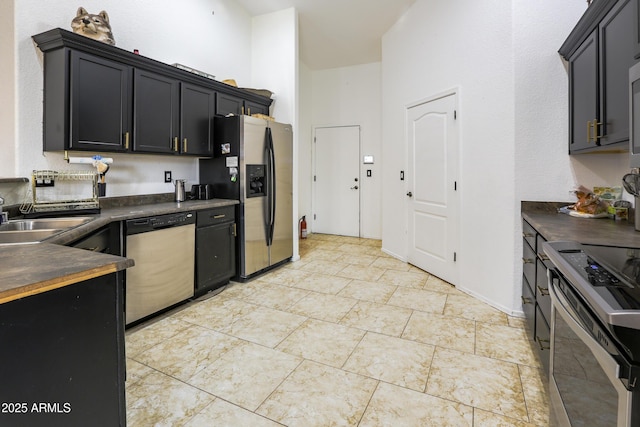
<point x="175" y="143"/>
<point x="184" y="145"/>
<point x="589" y="124"/>
<point x="543" y="256"/>
<point x="126" y="140"/>
<point x="526" y="300"/>
<point x="525" y="234"/>
<point x="527" y="261"/>
<point x="233" y="230"/>
<point x="219" y="216"/>
<point x="543" y="291"/>
<point x="597" y="127"/>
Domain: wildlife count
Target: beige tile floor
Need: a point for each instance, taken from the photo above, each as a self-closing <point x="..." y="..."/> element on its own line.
<point x="347" y="336"/>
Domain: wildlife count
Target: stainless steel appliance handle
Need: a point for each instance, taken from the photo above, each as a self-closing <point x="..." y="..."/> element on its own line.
<point x="271" y="190"/>
<point x="564" y="309"/>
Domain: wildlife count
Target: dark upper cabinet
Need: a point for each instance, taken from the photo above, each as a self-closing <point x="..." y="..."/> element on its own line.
<point x="255" y="108"/>
<point x="197" y="110"/>
<point x="171" y="117"/>
<point x="617" y="51"/>
<point x="87" y="102"/>
<point x="102" y="98"/>
<point x="583" y="93"/>
<point x="155" y="113"/>
<point x="636" y="32"/>
<point x="600" y="51"/>
<point x="228" y="104"/>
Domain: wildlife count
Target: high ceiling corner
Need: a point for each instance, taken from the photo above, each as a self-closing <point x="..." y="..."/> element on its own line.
<point x="337" y="33"/>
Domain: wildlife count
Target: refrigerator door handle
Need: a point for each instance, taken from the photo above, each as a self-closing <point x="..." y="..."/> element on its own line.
<point x="271" y="191"/>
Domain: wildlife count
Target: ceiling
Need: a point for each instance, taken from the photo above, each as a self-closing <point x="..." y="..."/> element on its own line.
<point x="337" y="33"/>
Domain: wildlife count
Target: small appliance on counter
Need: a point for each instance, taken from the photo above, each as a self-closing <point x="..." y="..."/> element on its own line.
<point x="180" y="195"/>
<point x="631" y="182"/>
<point x="201" y="192"/>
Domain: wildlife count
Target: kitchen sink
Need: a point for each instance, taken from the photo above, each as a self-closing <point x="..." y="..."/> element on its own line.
<point x="35" y="230"/>
<point x="26" y="236"/>
<point x="44" y="223"/>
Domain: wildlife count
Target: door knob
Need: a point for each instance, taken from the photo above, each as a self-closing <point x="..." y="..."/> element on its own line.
<point x="409" y="193"/>
<point x="355" y="187"/>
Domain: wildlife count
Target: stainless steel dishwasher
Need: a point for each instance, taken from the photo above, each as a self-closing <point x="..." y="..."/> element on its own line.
<point x="163" y="248"/>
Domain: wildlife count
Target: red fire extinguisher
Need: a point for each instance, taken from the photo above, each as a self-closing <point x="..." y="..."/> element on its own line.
<point x="303" y="228"/>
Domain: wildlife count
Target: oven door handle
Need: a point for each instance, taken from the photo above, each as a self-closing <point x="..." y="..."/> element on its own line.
<point x="564" y="309"/>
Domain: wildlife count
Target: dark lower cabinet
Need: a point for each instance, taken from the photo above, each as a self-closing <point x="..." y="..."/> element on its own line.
<point x="62" y="360"/>
<point x="536" y="301"/>
<point x="215" y="248"/>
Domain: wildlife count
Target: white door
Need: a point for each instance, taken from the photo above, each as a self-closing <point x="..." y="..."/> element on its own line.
<point x="336" y="181"/>
<point x="432" y="194"/>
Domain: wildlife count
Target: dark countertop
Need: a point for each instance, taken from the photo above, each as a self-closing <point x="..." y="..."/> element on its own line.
<point x="123" y="213"/>
<point x="543" y="216"/>
<point x="29" y="269"/>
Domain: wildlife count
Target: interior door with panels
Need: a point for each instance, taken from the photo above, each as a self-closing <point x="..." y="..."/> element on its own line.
<point x="432" y="169"/>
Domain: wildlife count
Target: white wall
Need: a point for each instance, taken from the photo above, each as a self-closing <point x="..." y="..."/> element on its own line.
<point x="7" y="90"/>
<point x="513" y="121"/>
<point x="305" y="139"/>
<point x="184" y="32"/>
<point x="352" y="96"/>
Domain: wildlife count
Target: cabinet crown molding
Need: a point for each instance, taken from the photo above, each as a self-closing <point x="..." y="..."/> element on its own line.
<point x="58" y="38"/>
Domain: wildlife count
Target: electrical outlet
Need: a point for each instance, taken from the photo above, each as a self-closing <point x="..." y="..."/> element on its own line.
<point x="167" y="176"/>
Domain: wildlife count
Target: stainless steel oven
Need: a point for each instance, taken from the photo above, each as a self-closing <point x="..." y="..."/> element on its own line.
<point x="595" y="335"/>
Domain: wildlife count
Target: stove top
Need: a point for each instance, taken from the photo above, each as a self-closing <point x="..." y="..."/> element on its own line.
<point x="607" y="278"/>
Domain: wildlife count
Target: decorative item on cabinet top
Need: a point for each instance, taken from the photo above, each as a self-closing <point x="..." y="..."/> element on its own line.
<point x="194" y="71"/>
<point x="96" y="27"/>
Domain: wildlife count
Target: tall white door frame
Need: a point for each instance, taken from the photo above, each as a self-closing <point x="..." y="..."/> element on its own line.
<point x="432" y="185"/>
<point x="336" y="181"/>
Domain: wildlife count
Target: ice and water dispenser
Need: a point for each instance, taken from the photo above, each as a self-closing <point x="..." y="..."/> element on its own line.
<point x="256" y="181"/>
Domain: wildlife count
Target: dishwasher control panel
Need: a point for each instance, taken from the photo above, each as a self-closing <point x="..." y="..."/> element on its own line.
<point x="143" y="225"/>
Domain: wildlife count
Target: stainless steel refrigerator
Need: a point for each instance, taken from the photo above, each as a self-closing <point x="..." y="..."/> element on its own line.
<point x="253" y="163"/>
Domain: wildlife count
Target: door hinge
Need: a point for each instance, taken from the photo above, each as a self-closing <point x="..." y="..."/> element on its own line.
<point x="314" y="178"/>
<point x="455" y="185"/>
<point x="455" y="115"/>
<point x="455" y="256"/>
<point x="314" y="217"/>
<point x="314" y="139"/>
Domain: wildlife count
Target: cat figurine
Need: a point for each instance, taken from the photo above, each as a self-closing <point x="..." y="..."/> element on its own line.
<point x="93" y="26"/>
